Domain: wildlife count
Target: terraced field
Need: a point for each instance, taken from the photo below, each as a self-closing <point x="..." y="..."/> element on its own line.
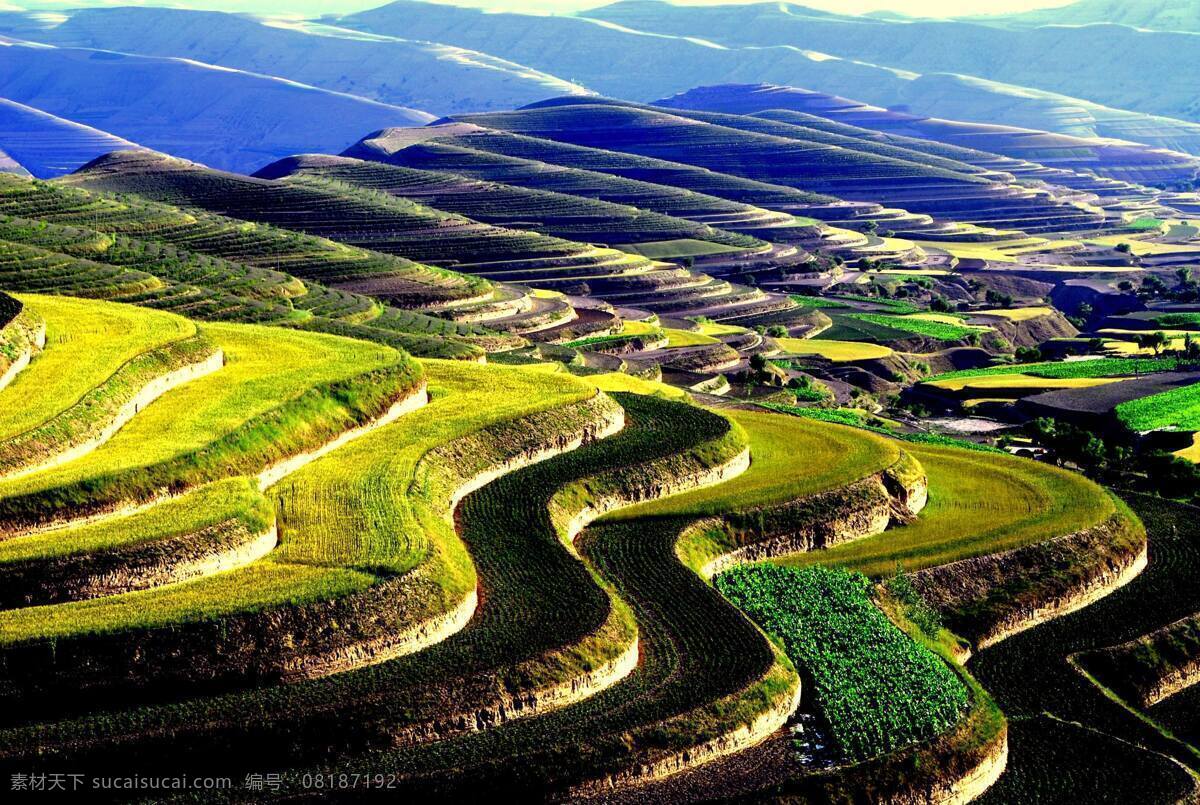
<point x="62" y="240"/>
<point x="782" y="153"/>
<point x="308" y="482"/>
<point x="361" y="214"/>
<point x="558" y="214"/>
<point x="585" y="452"/>
<point x="978" y="503"/>
<point x="1059" y="720"/>
<point x="86" y="342"/>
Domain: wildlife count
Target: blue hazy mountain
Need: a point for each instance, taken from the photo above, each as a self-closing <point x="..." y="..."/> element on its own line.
<point x="222" y="117"/>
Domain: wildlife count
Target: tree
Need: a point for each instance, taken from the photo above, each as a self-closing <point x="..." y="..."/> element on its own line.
<point x="1028" y="354"/>
<point x="1124" y="248"/>
<point x="938" y="304"/>
<point x="1156" y="341"/>
<point x="1001" y="300"/>
<point x="777" y="331"/>
<point x="1191" y="348"/>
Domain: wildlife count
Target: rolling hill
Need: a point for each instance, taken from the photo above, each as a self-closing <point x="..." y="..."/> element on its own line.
<point x="46" y="145"/>
<point x="1153" y="15"/>
<point x="558" y="214"/>
<point x="1106" y="64"/>
<point x="368" y="218"/>
<point x="223" y="117"/>
<point x="437" y="78"/>
<point x="641" y="63"/>
<point x="1119" y="159"/>
<point x="457" y="155"/>
<point x="799" y="158"/>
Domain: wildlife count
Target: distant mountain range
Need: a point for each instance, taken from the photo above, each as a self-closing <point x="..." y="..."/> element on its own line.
<point x="238" y="92"/>
<point x="1155" y="15"/>
<point x="1149" y="72"/>
<point x="221" y="117"/>
<point x="441" y="79"/>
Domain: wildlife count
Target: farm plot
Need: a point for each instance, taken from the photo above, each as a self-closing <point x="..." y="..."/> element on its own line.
<point x="1098" y="402"/>
<point x="619" y="381"/>
<point x="358" y="518"/>
<point x="916" y="324"/>
<point x="213" y="527"/>
<point x="86" y="342"/>
<point x="978" y="504"/>
<point x="546" y="622"/>
<point x="1180" y="714"/>
<point x="1060" y="722"/>
<point x="1065" y="370"/>
<point x="791" y="458"/>
<point x="279" y="393"/>
<point x="702" y="673"/>
<point x="836" y="351"/>
<point x="1177" y="409"/>
<point x="878" y="690"/>
<point x="1015" y="384"/>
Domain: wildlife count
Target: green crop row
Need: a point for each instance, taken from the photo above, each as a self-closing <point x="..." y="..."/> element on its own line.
<point x="898" y="306"/>
<point x="931" y="329"/>
<point x="1177" y="409"/>
<point x="817" y="302"/>
<point x="1178" y="320"/>
<point x="1064" y="370"/>
<point x="876" y="688"/>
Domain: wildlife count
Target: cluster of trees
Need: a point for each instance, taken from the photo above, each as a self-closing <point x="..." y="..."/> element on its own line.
<point x="1185" y="289"/>
<point x="1160" y="343"/>
<point x="1116" y="460"/>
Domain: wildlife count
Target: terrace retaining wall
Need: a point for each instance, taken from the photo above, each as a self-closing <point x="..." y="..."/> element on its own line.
<point x="507" y="706"/>
<point x="1149" y="686"/>
<point x="407" y="404"/>
<point x="825" y="519"/>
<point x="93" y="512"/>
<point x="36" y="341"/>
<point x="214" y="549"/>
<point x="148" y="394"/>
<point x="739" y="739"/>
<point x="817" y="521"/>
<point x="246" y="646"/>
<point x="966" y="590"/>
